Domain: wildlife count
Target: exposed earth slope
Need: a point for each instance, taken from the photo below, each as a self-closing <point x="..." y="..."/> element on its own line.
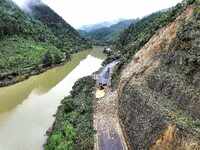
<point x="158" y="91"/>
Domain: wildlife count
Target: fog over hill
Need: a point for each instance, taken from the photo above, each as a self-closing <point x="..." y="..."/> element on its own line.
<point x="102" y="34"/>
<point x="96" y="26"/>
<point x="79" y="13"/>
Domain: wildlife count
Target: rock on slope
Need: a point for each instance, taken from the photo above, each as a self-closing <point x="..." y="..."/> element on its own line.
<point x="159" y="90"/>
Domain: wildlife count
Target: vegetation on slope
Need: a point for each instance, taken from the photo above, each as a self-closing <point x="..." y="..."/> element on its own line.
<point x="26" y="54"/>
<point x="139" y="33"/>
<point x="27" y="45"/>
<point x="14" y="22"/>
<point x="73" y="128"/>
<point x="68" y="38"/>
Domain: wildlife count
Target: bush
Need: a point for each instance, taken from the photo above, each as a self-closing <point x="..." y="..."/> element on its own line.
<point x="57" y="140"/>
<point x="26" y="53"/>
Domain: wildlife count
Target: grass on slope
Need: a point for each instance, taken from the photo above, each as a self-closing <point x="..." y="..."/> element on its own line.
<point x="18" y="54"/>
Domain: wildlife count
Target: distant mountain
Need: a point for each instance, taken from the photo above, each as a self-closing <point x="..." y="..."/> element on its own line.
<point x="89" y="28"/>
<point x="107" y="34"/>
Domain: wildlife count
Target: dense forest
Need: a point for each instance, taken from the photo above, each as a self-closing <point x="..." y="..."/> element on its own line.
<point x="68" y="38"/>
<point x="28" y="43"/>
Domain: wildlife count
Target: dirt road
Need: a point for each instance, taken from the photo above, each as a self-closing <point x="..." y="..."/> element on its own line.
<point x="109" y="135"/>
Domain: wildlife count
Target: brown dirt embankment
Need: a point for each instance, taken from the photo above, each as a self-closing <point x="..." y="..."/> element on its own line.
<point x="159" y="90"/>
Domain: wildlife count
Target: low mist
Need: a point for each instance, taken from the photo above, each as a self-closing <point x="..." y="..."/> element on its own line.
<point x="26" y="4"/>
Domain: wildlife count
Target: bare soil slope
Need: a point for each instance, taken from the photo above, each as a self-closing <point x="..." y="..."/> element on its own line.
<point x="109" y="135"/>
<point x="159" y="91"/>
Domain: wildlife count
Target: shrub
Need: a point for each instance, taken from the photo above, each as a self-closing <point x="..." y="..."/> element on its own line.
<point x="74" y="123"/>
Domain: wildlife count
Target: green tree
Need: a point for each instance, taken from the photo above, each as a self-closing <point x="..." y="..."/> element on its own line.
<point x="48" y="59"/>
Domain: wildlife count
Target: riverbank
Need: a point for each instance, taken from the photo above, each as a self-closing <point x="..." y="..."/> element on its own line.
<point x="73" y="127"/>
<point x="8" y="79"/>
<point x="22" y="105"/>
<point x="84" y="122"/>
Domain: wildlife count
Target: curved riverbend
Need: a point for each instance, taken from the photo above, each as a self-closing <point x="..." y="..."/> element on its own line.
<point x="27" y="108"/>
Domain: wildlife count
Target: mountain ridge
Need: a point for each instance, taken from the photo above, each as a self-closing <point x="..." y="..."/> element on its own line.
<point x="62" y="30"/>
<point x="96" y="26"/>
<point x="107" y="34"/>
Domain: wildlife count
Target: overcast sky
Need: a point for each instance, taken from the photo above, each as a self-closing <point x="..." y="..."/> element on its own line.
<point x="84" y="12"/>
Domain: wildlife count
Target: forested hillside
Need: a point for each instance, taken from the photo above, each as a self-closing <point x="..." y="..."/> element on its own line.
<point x="68" y="38"/>
<point x="133" y="38"/>
<point x="107" y="35"/>
<point x="27" y="44"/>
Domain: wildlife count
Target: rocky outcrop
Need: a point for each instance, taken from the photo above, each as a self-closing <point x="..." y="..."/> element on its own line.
<point x="159" y="90"/>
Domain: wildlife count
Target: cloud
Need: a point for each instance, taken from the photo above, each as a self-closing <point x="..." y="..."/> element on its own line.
<point x="83" y="12"/>
<point x="25" y="4"/>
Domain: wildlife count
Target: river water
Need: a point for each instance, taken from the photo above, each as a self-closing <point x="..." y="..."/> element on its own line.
<point x="27" y="108"/>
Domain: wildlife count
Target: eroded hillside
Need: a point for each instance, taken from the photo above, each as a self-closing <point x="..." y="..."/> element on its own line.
<point x="159" y="90"/>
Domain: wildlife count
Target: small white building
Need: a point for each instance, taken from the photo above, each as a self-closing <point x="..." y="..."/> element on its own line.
<point x="107" y="50"/>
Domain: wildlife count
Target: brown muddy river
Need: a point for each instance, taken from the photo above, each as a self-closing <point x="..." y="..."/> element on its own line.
<point x="27" y="108"/>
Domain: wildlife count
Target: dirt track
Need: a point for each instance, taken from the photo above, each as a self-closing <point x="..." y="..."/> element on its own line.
<point x="109" y="135"/>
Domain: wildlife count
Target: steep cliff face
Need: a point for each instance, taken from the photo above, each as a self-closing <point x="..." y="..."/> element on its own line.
<point x="159" y="90"/>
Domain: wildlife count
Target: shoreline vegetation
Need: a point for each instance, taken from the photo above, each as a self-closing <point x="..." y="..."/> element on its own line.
<point x="7" y="79"/>
<point x="73" y="126"/>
